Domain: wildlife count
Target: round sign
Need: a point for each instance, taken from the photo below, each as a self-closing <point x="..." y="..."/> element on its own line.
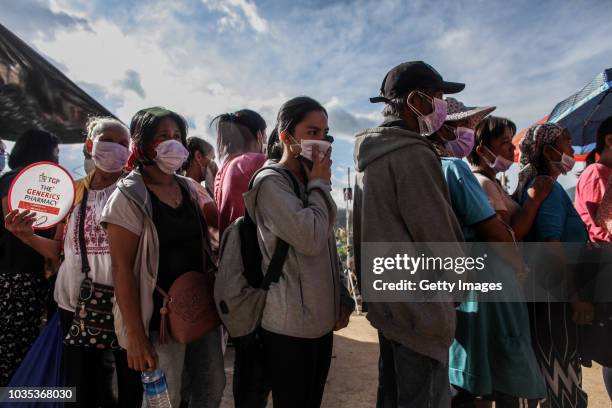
<point x="44" y="188"/>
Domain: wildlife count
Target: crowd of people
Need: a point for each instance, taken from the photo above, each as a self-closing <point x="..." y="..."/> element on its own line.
<point x="154" y="207"/>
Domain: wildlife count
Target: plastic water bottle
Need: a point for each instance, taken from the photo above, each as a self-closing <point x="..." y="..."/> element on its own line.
<point x="156" y="389"/>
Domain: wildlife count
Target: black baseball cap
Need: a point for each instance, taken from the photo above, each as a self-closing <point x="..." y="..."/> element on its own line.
<point x="412" y="75"/>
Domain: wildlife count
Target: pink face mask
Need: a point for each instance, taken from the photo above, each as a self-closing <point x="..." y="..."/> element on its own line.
<point x="463" y="144"/>
<point x="500" y="164"/>
<point x="432" y="122"/>
<point x="109" y="157"/>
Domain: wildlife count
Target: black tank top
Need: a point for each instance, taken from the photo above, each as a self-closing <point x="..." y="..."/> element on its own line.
<point x="180" y="246"/>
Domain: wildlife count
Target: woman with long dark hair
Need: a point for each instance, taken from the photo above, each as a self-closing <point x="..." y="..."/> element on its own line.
<point x="309" y="302"/>
<point x="23" y="287"/>
<point x="157" y="233"/>
<point x="241" y="138"/>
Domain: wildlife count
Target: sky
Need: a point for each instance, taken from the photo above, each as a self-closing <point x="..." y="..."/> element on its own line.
<point x="205" y="57"/>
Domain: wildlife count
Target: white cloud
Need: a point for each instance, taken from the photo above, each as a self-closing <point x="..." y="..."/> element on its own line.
<point x="454" y="38"/>
<point x="34" y="18"/>
<point x="235" y="12"/>
<point x="344" y="124"/>
<point x="335" y="52"/>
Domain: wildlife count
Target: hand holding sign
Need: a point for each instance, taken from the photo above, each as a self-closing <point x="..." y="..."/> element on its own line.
<point x="20" y="224"/>
<point x="41" y="196"/>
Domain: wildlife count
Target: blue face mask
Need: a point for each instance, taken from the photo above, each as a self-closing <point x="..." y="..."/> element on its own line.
<point x="2" y="161"/>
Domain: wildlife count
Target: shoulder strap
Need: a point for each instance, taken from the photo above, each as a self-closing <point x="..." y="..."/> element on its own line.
<point x="275" y="268"/>
<point x="82" y="209"/>
<point x="287" y="173"/>
<point x="284" y="172"/>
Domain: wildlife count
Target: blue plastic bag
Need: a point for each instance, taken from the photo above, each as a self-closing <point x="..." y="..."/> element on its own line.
<point x="42" y="366"/>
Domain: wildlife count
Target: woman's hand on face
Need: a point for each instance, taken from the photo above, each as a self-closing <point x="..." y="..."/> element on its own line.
<point x="541" y="188"/>
<point x="321" y="168"/>
<point x="20" y="223"/>
<point x="141" y="354"/>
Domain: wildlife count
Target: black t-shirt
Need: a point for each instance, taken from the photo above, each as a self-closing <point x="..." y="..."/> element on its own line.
<point x="180" y="246"/>
<point x="15" y="256"/>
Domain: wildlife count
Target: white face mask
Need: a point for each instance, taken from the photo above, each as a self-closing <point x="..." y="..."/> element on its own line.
<point x="171" y="155"/>
<point x="307" y="148"/>
<point x="432" y="122"/>
<point x="500" y="164"/>
<point x="566" y="164"/>
<point x="109" y="157"/>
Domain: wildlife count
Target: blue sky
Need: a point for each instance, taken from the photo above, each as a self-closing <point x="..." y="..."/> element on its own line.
<point x="205" y="57"/>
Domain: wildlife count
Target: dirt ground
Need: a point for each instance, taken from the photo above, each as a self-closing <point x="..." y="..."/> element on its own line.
<point x="353" y="376"/>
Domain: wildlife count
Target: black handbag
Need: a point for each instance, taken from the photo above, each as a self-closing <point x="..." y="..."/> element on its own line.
<point x="93" y="323"/>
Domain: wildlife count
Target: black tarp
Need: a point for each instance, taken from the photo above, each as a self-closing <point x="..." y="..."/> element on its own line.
<point x="35" y="94"/>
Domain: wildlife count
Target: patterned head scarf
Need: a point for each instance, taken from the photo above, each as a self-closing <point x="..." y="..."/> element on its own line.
<point x="531" y="148"/>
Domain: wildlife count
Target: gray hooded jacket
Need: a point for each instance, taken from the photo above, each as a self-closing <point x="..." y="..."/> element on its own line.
<point x="307" y="299"/>
<point x="401" y="196"/>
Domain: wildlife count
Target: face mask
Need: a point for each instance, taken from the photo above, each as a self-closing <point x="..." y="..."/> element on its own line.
<point x="2" y="161"/>
<point x="463" y="143"/>
<point x="171" y="155"/>
<point x="109" y="157"/>
<point x="307" y="147"/>
<point x="431" y="123"/>
<point x="566" y="164"/>
<point x="500" y="164"/>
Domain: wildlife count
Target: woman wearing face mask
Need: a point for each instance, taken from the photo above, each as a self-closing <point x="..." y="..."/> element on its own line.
<point x="241" y="137"/>
<point x="308" y="302"/>
<point x="547" y="150"/>
<point x="107" y="142"/>
<point x="156" y="234"/>
<point x="198" y="168"/>
<point x="492" y="342"/>
<point x="23" y="287"/>
<point x="494" y="153"/>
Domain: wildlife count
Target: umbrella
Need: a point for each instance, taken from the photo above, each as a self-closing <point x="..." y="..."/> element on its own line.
<point x="582" y="113"/>
<point x="35" y="94"/>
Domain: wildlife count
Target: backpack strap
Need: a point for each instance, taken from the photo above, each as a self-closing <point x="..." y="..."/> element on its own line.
<point x="275" y="268"/>
<point x="287" y="173"/>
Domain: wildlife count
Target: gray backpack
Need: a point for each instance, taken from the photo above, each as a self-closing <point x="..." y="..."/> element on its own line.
<point x="240" y="285"/>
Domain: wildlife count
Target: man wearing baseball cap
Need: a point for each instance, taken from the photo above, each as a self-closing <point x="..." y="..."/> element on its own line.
<point x="401" y="196"/>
